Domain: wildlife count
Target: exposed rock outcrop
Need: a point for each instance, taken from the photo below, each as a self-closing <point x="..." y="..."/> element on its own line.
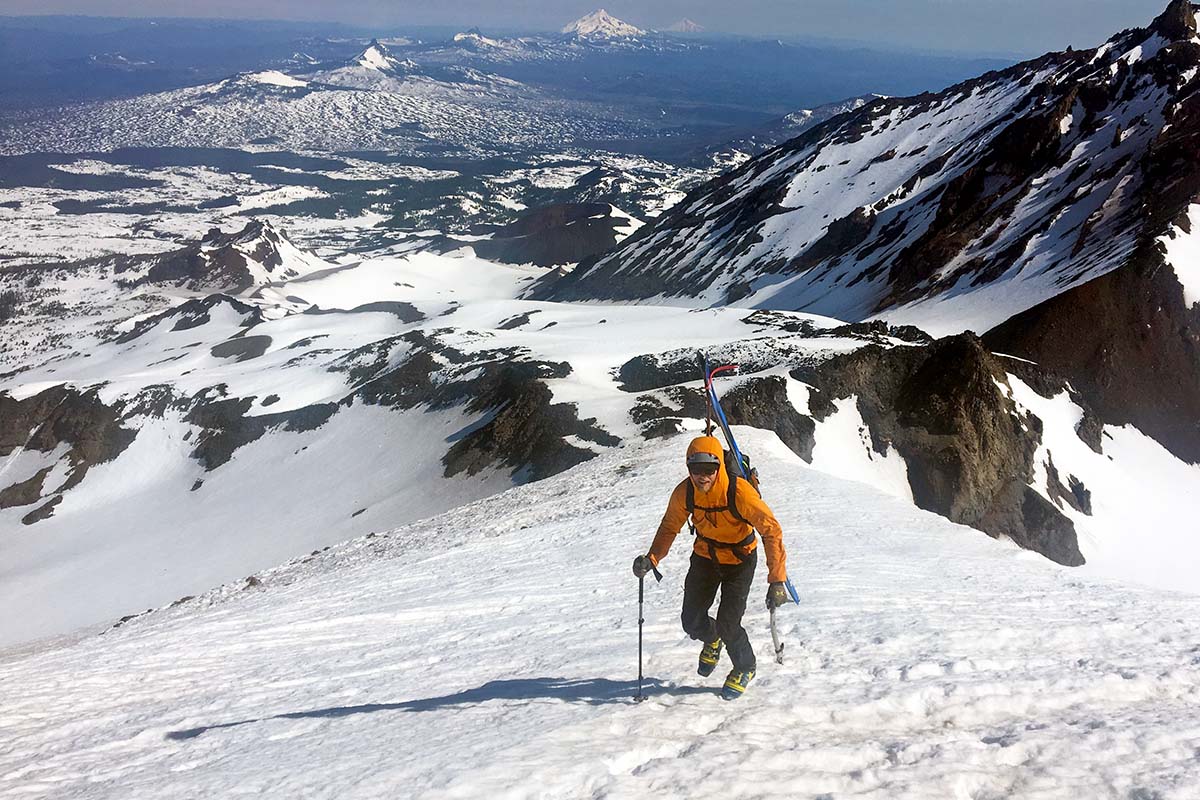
<point x="226" y="262"/>
<point x="91" y="430"/>
<point x="524" y="429"/>
<point x="970" y="453"/>
<point x="563" y="233"/>
<point x="1127" y="341"/>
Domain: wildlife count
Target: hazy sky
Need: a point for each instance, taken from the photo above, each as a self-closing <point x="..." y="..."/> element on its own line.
<point x="1016" y="26"/>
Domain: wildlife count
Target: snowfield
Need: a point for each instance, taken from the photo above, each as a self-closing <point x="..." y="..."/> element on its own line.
<point x="491" y="652"/>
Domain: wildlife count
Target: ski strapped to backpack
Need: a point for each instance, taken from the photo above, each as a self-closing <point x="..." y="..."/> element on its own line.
<point x="738" y="467"/>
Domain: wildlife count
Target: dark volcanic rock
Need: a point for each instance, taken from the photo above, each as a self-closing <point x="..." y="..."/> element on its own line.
<point x="242" y="348"/>
<point x="1139" y="360"/>
<point x="525" y="430"/>
<point x="193" y="314"/>
<point x="60" y="415"/>
<point x="564" y="233"/>
<point x="842" y="236"/>
<point x="642" y="373"/>
<point x="219" y="261"/>
<point x="968" y="452"/>
<point x="1048" y="384"/>
<point x="25" y="492"/>
<point x="226" y="425"/>
<point x="1177" y="22"/>
<point x="660" y="413"/>
<point x="405" y="312"/>
<point x="44" y="511"/>
<point x="763" y="403"/>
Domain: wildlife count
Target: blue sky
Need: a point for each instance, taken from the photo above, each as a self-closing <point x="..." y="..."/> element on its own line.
<point x="991" y="26"/>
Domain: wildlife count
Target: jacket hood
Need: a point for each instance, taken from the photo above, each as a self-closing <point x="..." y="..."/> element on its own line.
<point x="711" y="444"/>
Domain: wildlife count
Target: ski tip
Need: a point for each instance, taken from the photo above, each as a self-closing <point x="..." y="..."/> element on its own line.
<point x="792" y="591"/>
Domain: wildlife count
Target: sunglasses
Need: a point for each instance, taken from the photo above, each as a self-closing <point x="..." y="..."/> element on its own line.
<point x="703" y="469"/>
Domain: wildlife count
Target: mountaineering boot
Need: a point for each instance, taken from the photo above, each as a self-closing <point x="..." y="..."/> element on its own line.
<point x="709" y="657"/>
<point x="736" y="683"/>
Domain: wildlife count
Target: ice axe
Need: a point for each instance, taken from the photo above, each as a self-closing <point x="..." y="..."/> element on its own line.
<point x="774" y="630"/>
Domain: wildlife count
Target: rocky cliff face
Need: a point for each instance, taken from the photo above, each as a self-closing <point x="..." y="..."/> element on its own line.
<point x="969" y="450"/>
<point x="75" y="430"/>
<point x="1128" y="341"/>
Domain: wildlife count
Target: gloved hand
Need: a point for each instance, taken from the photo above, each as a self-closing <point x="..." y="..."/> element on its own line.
<point x="777" y="595"/>
<point x="642" y="565"/>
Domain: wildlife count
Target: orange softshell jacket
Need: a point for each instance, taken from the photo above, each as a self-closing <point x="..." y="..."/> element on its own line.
<point x="722" y="526"/>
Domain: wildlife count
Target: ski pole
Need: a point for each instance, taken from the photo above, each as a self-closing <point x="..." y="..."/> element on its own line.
<point x="641" y="619"/>
<point x="639" y="697"/>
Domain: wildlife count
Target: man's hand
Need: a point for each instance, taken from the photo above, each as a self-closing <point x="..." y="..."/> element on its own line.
<point x="642" y="566"/>
<point x="777" y="595"/>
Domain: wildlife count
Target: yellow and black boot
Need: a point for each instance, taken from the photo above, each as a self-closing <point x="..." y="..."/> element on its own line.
<point x="709" y="657"/>
<point x="736" y="683"/>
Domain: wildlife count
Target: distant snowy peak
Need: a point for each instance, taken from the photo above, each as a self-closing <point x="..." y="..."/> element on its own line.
<point x="268" y="82"/>
<point x="685" y="25"/>
<point x="118" y="61"/>
<point x="273" y="77"/>
<point x="1005" y="204"/>
<point x="377" y="57"/>
<point x="474" y="38"/>
<point x="601" y="25"/>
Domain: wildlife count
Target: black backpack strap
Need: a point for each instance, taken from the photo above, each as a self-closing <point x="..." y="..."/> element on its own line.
<point x="731" y="500"/>
<point x="738" y="549"/>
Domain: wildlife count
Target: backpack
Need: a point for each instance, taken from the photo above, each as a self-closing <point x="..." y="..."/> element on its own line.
<point x="730" y="506"/>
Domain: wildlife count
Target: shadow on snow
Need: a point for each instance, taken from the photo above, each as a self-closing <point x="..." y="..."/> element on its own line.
<point x="593" y="692"/>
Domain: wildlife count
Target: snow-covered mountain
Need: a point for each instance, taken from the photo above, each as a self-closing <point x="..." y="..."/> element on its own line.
<point x="377" y="57"/>
<point x="254" y="84"/>
<point x="991" y="179"/>
<point x="601" y="25"/>
<point x="1072" y="173"/>
<point x="474" y="39"/>
<point x="234" y="263"/>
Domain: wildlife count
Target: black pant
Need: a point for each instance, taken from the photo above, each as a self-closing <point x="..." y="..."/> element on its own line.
<point x="700" y="589"/>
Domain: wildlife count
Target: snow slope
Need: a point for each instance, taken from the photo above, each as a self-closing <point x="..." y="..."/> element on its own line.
<point x="491" y="652"/>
